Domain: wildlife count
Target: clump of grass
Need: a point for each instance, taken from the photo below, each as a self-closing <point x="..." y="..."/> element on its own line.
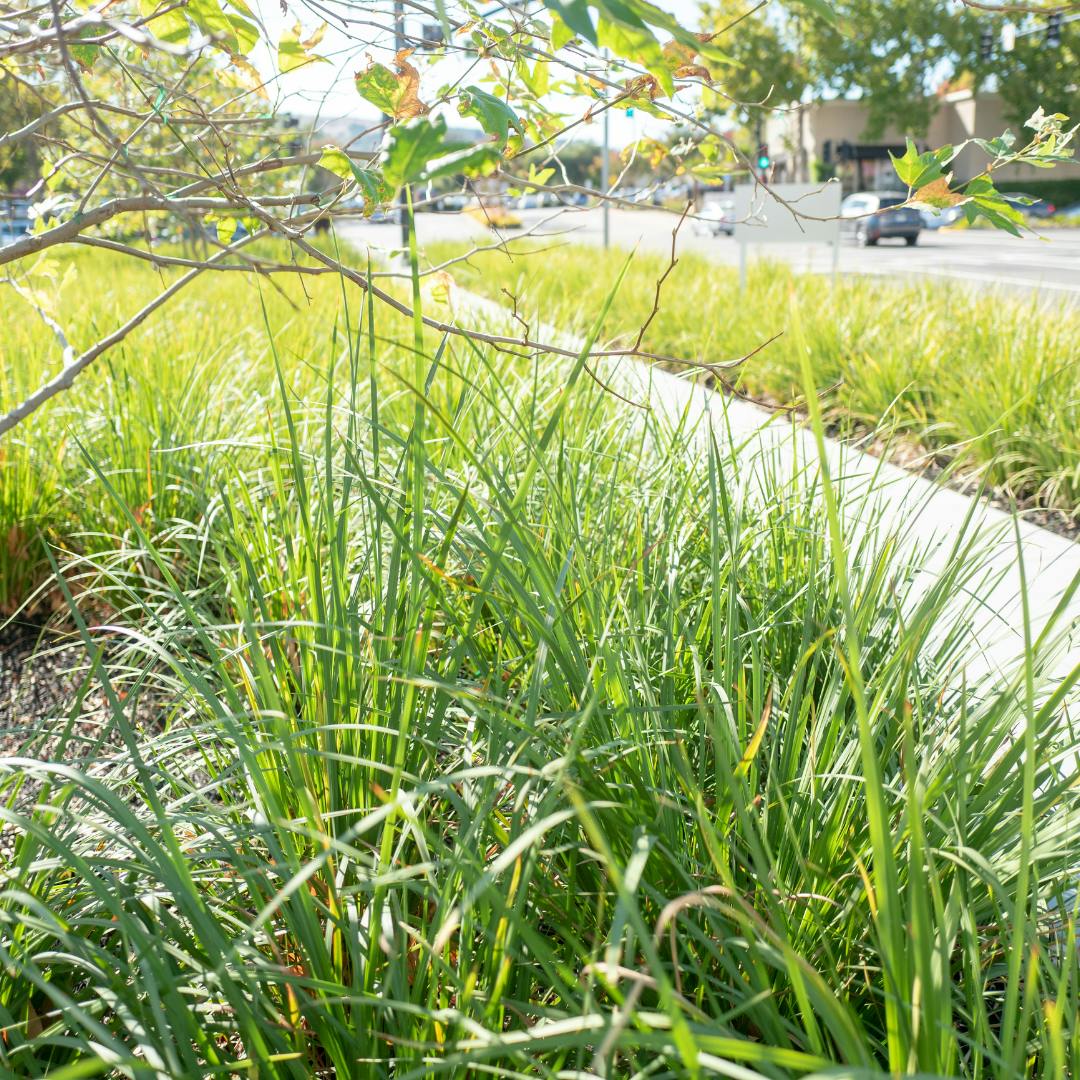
<point x="142" y="414"/>
<point x="505" y="735"/>
<point x="991" y="381"/>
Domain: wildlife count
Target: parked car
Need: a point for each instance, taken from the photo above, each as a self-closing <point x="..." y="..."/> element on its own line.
<point x="15" y="218"/>
<point x="451" y="202"/>
<point x="870" y="216"/>
<point x="1038" y="208"/>
<point x="1071" y="211"/>
<point x="941" y="219"/>
<point x="715" y="218"/>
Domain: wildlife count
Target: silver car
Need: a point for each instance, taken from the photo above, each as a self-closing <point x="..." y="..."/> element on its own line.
<point x="870" y="216"/>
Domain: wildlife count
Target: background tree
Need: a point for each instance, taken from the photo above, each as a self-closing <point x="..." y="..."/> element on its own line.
<point x="1035" y="71"/>
<point x="893" y="55"/>
<point x="18" y="160"/>
<point x="767" y="67"/>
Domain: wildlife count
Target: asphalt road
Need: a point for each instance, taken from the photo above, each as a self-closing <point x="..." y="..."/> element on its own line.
<point x="1049" y="264"/>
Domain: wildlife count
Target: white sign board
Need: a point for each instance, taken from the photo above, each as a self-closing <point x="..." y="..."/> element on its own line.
<point x="762" y="219"/>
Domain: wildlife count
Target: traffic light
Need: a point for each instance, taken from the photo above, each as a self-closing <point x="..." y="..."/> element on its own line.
<point x="763" y="159"/>
<point x="986" y="45"/>
<point x="1053" y="30"/>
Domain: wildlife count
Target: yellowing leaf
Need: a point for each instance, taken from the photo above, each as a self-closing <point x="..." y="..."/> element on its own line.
<point x="371" y="185"/>
<point x="938" y="195"/>
<point x="681" y="60"/>
<point x="248" y="75"/>
<point x="294" y="53"/>
<point x="755" y="741"/>
<point x="438" y="287"/>
<point x="395" y="95"/>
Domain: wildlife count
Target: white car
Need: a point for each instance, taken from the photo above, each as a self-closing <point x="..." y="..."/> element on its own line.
<point x="941" y="219"/>
<point x="715" y="218"/>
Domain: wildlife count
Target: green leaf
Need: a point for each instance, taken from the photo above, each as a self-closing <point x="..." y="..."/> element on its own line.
<point x="418" y="151"/>
<point x="85" y="55"/>
<point x="561" y="34"/>
<point x="537" y="80"/>
<point x="639" y="44"/>
<point x="226" y="228"/>
<point x="247" y="34"/>
<point x="209" y="17"/>
<point x="998" y="147"/>
<point x="396" y="95"/>
<point x="916" y="170"/>
<point x="479" y="160"/>
<point x="170" y="26"/>
<point x="494" y="115"/>
<point x="377" y="84"/>
<point x="410" y="146"/>
<point x="985" y="201"/>
<point x="374" y="189"/>
<point x="575" y="16"/>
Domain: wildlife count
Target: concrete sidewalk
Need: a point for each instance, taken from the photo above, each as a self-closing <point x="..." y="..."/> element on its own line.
<point x="929" y="518"/>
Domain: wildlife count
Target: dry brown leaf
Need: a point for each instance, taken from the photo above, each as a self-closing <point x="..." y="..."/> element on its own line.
<point x="938" y="194"/>
<point x="642" y="86"/>
<point x="409" y="103"/>
<point x="681" y="59"/>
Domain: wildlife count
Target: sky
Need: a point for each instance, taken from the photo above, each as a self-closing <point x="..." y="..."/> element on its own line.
<point x="327" y="88"/>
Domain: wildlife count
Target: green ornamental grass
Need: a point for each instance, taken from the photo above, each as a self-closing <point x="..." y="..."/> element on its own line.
<point x="502" y="731"/>
<point x="989" y="382"/>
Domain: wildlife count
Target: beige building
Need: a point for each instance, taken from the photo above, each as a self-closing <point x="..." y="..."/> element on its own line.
<point x="826" y="139"/>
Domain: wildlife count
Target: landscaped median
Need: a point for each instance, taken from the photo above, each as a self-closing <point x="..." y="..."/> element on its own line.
<point x="460" y="720"/>
<point x="987" y="381"/>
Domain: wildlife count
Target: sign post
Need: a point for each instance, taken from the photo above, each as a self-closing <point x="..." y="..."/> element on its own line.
<point x="767" y="216"/>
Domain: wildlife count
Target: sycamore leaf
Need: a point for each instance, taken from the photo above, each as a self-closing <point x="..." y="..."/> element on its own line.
<point x="395" y="95"/>
<point x="418" y="151"/>
<point x="494" y="115"/>
<point x="575" y="17"/>
<point x="227" y="229"/>
<point x="938" y="195"/>
<point x="85" y="55"/>
<point x="247" y="34"/>
<point x="294" y="53"/>
<point x="998" y="147"/>
<point x="540" y="176"/>
<point x="538" y="80"/>
<point x="985" y="201"/>
<point x="681" y="60"/>
<point x="248" y="75"/>
<point x="480" y="160"/>
<point x="372" y="185"/>
<point x="638" y="44"/>
<point x="170" y="26"/>
<point x="561" y="34"/>
<point x="916" y="170"/>
<point x="209" y="17"/>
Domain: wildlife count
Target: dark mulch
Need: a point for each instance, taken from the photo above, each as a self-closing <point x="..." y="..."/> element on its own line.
<point x="43" y="696"/>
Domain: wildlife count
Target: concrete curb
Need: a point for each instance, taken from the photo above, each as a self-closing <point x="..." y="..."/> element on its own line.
<point x="929" y="517"/>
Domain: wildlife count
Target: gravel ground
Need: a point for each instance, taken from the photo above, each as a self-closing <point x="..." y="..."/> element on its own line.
<point x="40" y="681"/>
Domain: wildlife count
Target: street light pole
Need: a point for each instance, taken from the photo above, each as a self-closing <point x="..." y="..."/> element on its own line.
<point x="604" y="179"/>
<point x="399" y="44"/>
